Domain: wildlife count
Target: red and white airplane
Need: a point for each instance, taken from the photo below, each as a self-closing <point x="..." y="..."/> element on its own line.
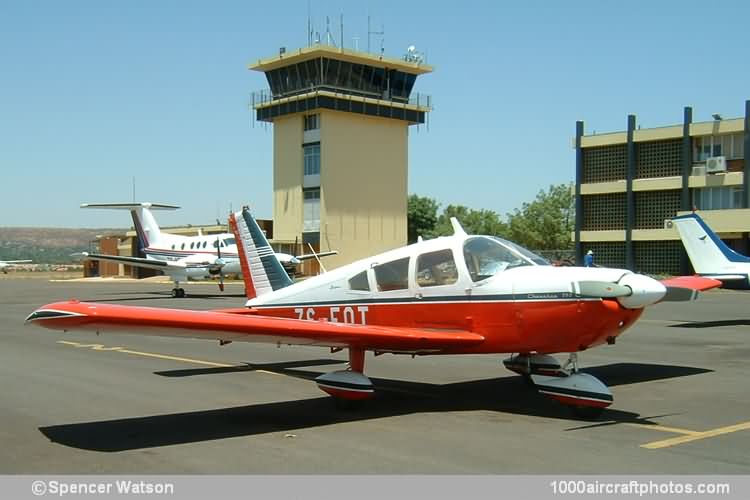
<point x="459" y="294"/>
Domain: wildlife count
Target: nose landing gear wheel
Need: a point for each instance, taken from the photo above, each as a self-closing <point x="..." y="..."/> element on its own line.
<point x="178" y="293"/>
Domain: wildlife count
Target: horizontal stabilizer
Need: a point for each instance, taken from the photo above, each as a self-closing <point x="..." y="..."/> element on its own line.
<point x="309" y="256"/>
<point x="728" y="277"/>
<point x="130" y="206"/>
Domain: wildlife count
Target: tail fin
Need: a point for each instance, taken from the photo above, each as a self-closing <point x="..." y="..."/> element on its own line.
<point x="143" y="220"/>
<point x="261" y="270"/>
<point x="708" y="254"/>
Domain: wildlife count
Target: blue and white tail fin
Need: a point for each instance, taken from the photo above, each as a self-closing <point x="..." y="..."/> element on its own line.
<point x="261" y="270"/>
<point x="708" y="254"/>
<point x="143" y="220"/>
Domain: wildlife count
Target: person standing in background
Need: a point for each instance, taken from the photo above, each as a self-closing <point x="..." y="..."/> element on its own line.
<point x="588" y="259"/>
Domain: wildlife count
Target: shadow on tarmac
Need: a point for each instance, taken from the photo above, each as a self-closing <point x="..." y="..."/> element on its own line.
<point x="509" y="395"/>
<point x="711" y="324"/>
<point x="249" y="367"/>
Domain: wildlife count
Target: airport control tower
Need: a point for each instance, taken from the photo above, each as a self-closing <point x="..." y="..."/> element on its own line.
<point x="340" y="146"/>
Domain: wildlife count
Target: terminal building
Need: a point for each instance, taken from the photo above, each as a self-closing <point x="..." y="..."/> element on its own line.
<point x="341" y="123"/>
<point x="629" y="183"/>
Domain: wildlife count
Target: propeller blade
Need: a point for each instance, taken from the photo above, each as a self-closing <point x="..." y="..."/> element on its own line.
<point x="603" y="289"/>
<point x="679" y="294"/>
<point x="221" y="269"/>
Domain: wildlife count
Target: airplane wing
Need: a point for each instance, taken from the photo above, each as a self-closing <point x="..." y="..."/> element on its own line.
<point x="309" y="256"/>
<point x="249" y="327"/>
<point x="161" y="265"/>
<point x="15" y="261"/>
<point x="686" y="288"/>
<point x="697" y="283"/>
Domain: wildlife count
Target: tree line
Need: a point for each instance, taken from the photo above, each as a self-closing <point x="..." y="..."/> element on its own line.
<point x="545" y="223"/>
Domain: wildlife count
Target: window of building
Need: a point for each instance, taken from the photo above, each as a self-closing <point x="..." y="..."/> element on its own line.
<point x="393" y="275"/>
<point x="311" y="156"/>
<point x="436" y="268"/>
<point x="718" y="198"/>
<point x="731" y="146"/>
<point x="311" y="210"/>
<point x="359" y="282"/>
<point x="312" y="122"/>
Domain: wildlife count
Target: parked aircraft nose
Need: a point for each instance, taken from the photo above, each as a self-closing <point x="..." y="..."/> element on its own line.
<point x="645" y="291"/>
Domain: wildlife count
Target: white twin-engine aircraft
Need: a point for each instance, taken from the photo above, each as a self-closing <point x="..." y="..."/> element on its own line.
<point x="4" y="264"/>
<point x="458" y="294"/>
<point x="182" y="257"/>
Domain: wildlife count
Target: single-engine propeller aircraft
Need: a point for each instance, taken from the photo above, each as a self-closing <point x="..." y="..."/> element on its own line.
<point x="458" y="294"/>
<point x="4" y="264"/>
<point x="709" y="255"/>
<point x="182" y="257"/>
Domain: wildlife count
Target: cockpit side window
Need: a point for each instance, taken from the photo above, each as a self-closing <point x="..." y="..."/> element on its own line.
<point x="392" y="275"/>
<point x="486" y="257"/>
<point x="359" y="282"/>
<point x="436" y="268"/>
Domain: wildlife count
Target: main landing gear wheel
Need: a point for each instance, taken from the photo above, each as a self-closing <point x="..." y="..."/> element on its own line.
<point x="586" y="395"/>
<point x="349" y="388"/>
<point x="178" y="293"/>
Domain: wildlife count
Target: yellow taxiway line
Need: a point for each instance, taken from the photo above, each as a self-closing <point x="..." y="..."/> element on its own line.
<point x="664" y="428"/>
<point x="695" y="436"/>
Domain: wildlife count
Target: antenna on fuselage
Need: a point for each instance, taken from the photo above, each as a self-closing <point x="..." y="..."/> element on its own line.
<point x="458" y="230"/>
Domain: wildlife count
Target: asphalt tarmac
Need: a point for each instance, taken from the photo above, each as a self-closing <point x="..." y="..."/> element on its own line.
<point x="80" y="403"/>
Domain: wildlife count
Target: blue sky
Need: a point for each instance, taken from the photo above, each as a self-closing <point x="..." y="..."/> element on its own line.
<point x="95" y="93"/>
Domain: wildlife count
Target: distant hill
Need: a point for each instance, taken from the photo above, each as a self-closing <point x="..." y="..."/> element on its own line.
<point x="47" y="245"/>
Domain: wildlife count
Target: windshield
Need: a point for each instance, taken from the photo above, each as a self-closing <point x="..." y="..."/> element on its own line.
<point x="229" y="241"/>
<point x="536" y="259"/>
<point x="487" y="256"/>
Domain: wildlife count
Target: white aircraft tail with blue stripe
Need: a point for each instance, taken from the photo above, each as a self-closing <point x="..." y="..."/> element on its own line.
<point x="708" y="254"/>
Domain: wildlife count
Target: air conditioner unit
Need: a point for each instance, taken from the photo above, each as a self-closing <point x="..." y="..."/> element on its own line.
<point x="716" y="164"/>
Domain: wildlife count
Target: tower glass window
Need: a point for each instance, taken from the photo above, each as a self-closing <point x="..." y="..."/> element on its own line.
<point x="312" y="122"/>
<point x="312" y="159"/>
<point x="311" y="208"/>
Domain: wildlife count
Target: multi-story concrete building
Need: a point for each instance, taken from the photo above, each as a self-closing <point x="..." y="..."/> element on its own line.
<point x="340" y="147"/>
<point x="628" y="183"/>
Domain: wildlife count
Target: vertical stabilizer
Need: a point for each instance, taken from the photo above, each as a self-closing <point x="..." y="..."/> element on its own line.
<point x="708" y="254"/>
<point x="261" y="270"/>
<point x="143" y="220"/>
<point x="145" y="226"/>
